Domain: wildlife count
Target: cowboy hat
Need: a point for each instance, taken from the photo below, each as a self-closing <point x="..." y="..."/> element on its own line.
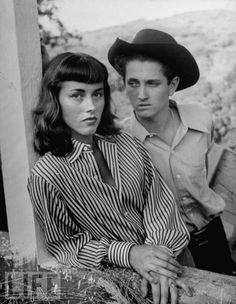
<point x="162" y="47"/>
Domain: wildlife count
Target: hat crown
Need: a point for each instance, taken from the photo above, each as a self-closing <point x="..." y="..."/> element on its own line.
<point x="162" y="47"/>
<point x="151" y="36"/>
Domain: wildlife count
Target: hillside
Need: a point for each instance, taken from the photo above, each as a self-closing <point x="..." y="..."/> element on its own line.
<point x="209" y="35"/>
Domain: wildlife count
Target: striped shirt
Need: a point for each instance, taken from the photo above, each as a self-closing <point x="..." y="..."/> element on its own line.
<point x="86" y="221"/>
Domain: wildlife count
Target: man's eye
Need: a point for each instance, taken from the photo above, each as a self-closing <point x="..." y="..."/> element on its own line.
<point x="153" y="83"/>
<point x="133" y="84"/>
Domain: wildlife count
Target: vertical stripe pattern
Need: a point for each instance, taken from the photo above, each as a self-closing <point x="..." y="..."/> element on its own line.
<point x="87" y="221"/>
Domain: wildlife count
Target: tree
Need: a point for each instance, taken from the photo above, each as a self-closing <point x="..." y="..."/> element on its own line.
<point x="48" y="10"/>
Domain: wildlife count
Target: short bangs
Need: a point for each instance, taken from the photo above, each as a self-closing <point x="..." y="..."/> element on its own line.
<point x="82" y="68"/>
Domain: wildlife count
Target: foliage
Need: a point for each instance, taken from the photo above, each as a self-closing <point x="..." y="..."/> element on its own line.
<point x="222" y="102"/>
<point x="48" y="9"/>
<point x="6" y="251"/>
<point x="72" y="285"/>
<point x="113" y="285"/>
<point x="68" y="285"/>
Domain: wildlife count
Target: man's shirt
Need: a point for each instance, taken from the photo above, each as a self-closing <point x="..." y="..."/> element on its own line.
<point x="87" y="221"/>
<point x="183" y="164"/>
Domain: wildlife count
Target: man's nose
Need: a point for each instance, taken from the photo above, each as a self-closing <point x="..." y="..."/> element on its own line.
<point x="142" y="94"/>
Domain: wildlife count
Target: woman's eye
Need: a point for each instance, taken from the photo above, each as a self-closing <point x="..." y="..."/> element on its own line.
<point x="98" y="95"/>
<point x="77" y="96"/>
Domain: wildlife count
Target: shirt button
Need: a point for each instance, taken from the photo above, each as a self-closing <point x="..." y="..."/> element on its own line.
<point x="172" y="152"/>
<point x="178" y="176"/>
<point x="191" y="214"/>
<point x="85" y="148"/>
<point x="184" y="198"/>
<point x="125" y="213"/>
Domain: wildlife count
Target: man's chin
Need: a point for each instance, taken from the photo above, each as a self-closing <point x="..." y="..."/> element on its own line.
<point x="144" y="114"/>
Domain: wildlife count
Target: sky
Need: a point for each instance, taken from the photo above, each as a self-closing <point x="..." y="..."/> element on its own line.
<point x="89" y="15"/>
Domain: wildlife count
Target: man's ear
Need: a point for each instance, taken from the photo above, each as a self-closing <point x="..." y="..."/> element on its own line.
<point x="173" y="85"/>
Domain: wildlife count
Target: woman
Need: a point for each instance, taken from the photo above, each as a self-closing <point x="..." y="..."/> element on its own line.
<point x="94" y="189"/>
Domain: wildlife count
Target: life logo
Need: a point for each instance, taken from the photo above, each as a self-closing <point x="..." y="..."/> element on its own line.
<point x="32" y="285"/>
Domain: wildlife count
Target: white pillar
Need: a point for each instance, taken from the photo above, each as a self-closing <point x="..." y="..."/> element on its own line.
<point x="20" y="73"/>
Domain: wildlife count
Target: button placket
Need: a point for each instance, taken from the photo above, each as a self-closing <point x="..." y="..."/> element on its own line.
<point x="93" y="164"/>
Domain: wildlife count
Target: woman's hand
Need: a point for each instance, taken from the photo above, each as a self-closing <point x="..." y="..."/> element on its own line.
<point x="160" y="291"/>
<point x="165" y="289"/>
<point x="151" y="258"/>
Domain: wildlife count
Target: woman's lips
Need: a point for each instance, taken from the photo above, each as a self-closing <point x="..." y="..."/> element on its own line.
<point x="90" y="120"/>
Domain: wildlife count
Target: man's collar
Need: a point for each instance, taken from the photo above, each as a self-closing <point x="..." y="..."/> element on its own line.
<point x="137" y="129"/>
<point x="191" y="115"/>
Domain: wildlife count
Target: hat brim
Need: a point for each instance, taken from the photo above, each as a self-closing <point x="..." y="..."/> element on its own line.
<point x="176" y="56"/>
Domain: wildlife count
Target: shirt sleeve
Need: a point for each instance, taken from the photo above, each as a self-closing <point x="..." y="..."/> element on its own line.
<point x="162" y="221"/>
<point x="64" y="238"/>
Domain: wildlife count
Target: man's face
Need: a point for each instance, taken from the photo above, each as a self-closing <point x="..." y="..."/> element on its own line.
<point x="147" y="88"/>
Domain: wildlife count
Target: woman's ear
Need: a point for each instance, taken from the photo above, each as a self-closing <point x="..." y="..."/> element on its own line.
<point x="173" y="85"/>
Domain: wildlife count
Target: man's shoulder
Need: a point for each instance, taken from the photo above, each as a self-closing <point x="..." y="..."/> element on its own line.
<point x="196" y="114"/>
<point x="125" y="138"/>
<point x="195" y="110"/>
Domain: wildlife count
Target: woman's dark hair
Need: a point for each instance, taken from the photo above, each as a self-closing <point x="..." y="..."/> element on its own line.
<point x="122" y="60"/>
<point x="51" y="132"/>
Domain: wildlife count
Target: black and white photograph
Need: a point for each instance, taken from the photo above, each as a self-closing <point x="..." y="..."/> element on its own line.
<point x="118" y="151"/>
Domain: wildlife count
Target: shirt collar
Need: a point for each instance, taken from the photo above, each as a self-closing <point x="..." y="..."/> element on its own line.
<point x="79" y="147"/>
<point x="137" y="129"/>
<point x="188" y="116"/>
<point x="191" y="116"/>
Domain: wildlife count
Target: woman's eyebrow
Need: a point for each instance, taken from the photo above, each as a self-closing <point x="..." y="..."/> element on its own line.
<point x="77" y="90"/>
<point x="99" y="89"/>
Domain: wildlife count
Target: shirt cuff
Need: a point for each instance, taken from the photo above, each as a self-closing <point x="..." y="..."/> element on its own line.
<point x="118" y="253"/>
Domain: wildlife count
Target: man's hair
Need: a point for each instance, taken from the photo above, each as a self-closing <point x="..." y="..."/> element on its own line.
<point x="51" y="132"/>
<point x="122" y="60"/>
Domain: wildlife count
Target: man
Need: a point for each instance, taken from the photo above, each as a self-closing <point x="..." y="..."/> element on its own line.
<point x="154" y="66"/>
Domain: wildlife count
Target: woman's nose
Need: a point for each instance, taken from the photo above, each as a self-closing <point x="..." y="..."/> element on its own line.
<point x="90" y="106"/>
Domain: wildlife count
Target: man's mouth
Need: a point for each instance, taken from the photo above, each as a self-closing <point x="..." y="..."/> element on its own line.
<point x="143" y="106"/>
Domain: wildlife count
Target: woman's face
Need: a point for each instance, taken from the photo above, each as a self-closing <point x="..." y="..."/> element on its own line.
<point x="82" y="107"/>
